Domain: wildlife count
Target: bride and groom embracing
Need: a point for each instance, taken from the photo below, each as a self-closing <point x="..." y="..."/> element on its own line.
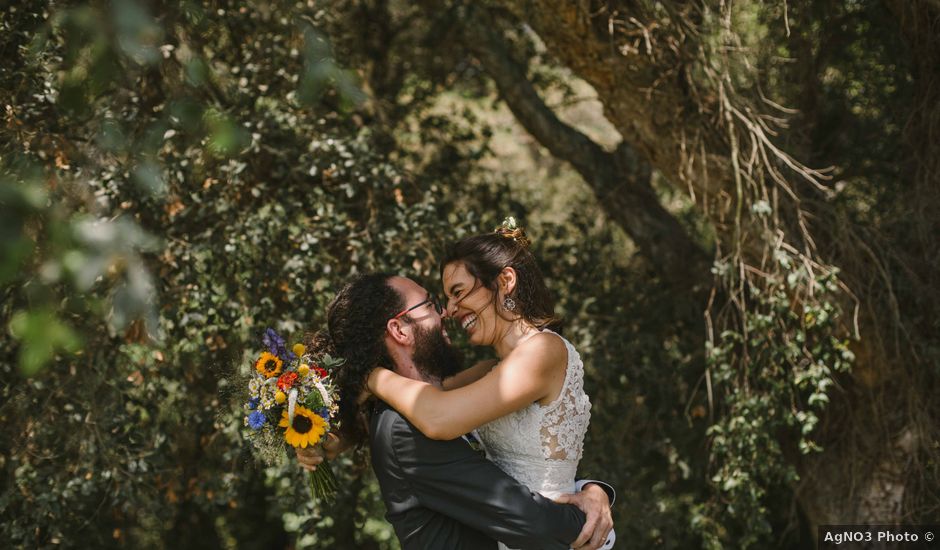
<point x="418" y="411"/>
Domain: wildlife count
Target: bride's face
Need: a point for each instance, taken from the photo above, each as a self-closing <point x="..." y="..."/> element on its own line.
<point x="471" y="304"/>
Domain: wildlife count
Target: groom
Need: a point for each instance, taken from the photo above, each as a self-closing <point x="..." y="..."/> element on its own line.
<point x="439" y="494"/>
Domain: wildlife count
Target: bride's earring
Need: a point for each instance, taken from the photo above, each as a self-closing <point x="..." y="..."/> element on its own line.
<point x="509" y="304"/>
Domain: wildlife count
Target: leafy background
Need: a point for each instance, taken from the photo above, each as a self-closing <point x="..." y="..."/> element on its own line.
<point x="175" y="177"/>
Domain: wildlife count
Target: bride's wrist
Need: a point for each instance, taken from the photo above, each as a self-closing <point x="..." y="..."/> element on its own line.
<point x="373" y="379"/>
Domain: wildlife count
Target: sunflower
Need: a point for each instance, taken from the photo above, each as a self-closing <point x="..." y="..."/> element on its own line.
<point x="306" y="429"/>
<point x="269" y="365"/>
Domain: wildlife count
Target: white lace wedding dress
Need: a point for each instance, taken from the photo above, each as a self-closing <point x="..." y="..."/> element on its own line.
<point x="540" y="445"/>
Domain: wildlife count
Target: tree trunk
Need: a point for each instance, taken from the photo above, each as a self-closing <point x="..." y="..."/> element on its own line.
<point x="620" y="179"/>
<point x="645" y="94"/>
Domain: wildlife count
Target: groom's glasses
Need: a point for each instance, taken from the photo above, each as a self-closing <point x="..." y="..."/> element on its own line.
<point x="430" y="300"/>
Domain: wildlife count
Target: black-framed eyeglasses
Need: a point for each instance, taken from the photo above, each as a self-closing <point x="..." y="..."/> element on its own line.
<point x="430" y="299"/>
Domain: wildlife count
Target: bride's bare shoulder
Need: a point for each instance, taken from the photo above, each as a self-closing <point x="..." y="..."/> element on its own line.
<point x="545" y="347"/>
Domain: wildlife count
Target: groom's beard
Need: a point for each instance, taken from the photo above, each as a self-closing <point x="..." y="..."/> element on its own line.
<point x="434" y="356"/>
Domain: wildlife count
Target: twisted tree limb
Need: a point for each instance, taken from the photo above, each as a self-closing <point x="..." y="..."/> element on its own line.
<point x="620" y="179"/>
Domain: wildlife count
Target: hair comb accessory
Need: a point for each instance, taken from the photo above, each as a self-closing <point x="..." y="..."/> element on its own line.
<point x="511" y="230"/>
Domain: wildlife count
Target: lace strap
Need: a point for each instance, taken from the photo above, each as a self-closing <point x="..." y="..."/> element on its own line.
<point x="571" y="365"/>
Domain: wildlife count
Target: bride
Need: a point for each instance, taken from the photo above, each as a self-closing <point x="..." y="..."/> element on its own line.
<point x="529" y="408"/>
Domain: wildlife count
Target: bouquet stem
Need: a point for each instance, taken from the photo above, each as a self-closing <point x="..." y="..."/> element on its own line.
<point x="323" y="482"/>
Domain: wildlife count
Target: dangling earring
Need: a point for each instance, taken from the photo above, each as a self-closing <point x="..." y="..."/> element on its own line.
<point x="509" y="304"/>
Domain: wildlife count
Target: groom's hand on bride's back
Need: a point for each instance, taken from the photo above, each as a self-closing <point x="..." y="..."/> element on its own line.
<point x="311" y="457"/>
<point x="594" y="502"/>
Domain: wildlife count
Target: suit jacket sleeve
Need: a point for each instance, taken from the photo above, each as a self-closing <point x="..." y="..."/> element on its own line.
<point x="453" y="479"/>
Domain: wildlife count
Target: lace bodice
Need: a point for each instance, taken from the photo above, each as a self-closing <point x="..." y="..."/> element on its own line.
<point x="539" y="445"/>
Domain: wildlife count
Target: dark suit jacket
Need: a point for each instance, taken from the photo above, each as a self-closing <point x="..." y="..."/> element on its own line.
<point x="444" y="495"/>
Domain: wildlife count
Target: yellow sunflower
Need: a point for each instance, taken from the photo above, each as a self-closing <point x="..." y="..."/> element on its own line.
<point x="269" y="365"/>
<point x="306" y="429"/>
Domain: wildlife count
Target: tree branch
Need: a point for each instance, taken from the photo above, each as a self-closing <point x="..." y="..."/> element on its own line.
<point x="620" y="180"/>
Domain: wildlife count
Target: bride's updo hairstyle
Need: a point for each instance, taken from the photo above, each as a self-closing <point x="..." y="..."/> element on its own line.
<point x="486" y="255"/>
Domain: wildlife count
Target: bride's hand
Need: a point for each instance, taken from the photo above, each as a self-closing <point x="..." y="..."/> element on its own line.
<point x="594" y="502"/>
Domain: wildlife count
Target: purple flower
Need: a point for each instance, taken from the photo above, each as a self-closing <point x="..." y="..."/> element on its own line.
<point x="276" y="345"/>
<point x="272" y="341"/>
<point x="257" y="420"/>
<point x="253" y="403"/>
<point x="324" y="412"/>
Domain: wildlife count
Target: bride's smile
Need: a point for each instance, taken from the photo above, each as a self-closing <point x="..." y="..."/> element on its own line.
<point x="473" y="306"/>
<point x="468" y="321"/>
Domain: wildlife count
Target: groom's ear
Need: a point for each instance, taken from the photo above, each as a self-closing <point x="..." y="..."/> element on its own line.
<point x="399" y="331"/>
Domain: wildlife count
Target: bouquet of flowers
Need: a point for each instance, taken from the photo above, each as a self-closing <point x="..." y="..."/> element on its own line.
<point x="291" y="400"/>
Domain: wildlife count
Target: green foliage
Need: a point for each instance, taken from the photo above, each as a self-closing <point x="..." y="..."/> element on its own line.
<point x="793" y="357"/>
<point x="41" y="334"/>
<point x="264" y="205"/>
<point x="174" y="182"/>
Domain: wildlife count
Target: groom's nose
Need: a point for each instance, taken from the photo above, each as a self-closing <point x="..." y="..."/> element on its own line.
<point x="447" y="308"/>
<point x="445" y="314"/>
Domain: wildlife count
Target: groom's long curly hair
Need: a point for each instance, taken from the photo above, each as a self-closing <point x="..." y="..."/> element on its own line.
<point x="356" y="320"/>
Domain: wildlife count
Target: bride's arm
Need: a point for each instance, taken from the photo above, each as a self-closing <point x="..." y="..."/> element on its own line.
<point x="525" y="376"/>
<point x="470" y="375"/>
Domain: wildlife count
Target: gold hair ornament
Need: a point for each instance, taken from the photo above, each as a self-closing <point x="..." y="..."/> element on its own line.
<point x="511" y="230"/>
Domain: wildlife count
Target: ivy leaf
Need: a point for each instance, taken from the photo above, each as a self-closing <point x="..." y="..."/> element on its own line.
<point x="41" y="334"/>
